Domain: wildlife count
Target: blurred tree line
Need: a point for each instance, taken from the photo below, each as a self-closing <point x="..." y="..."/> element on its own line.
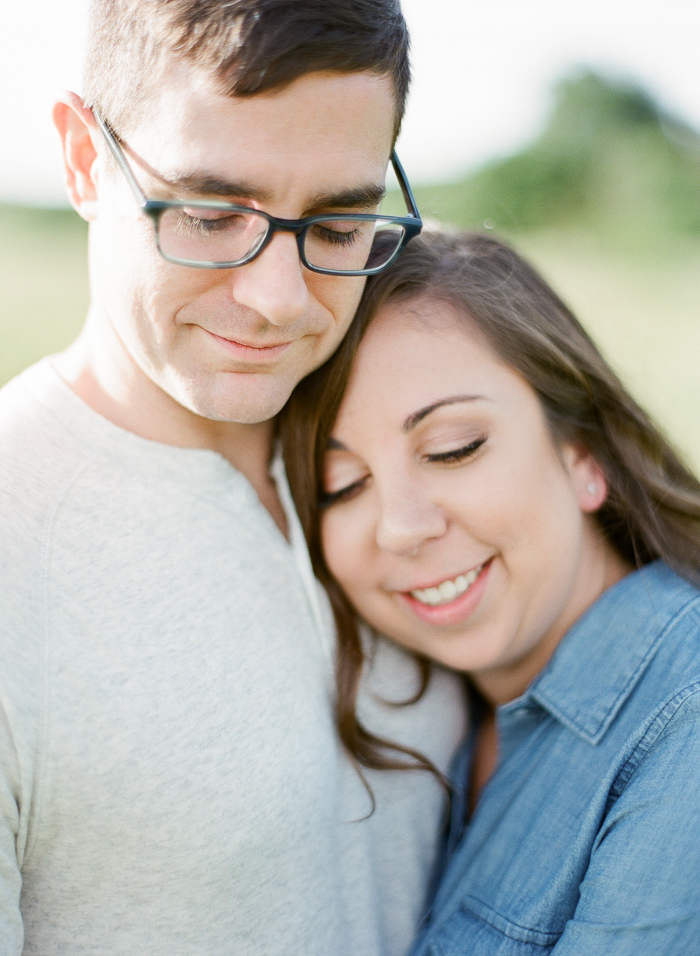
<point x="610" y="161"/>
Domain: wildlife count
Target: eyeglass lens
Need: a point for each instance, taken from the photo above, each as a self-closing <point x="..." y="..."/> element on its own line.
<point x="194" y="234"/>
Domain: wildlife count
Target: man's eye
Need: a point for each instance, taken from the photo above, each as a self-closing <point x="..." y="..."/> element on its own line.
<point x="457" y="454"/>
<point x="324" y="232"/>
<point x="328" y="498"/>
<point x="206" y="221"/>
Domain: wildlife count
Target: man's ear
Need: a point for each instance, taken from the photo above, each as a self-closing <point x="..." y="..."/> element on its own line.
<point x="77" y="129"/>
<point x="588" y="478"/>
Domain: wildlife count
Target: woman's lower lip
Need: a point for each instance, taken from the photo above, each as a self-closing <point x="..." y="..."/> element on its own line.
<point x="457" y="611"/>
<point x="265" y="353"/>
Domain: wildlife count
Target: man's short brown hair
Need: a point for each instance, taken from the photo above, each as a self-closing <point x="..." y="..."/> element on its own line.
<point x="246" y="46"/>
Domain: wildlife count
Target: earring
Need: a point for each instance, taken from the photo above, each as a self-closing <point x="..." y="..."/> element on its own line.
<point x="592" y="488"/>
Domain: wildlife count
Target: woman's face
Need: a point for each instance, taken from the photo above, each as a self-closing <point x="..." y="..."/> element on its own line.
<point x="453" y="522"/>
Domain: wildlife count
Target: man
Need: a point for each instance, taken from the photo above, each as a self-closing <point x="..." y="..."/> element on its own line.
<point x="170" y="778"/>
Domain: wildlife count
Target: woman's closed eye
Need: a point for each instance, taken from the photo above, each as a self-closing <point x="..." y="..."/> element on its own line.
<point x="456" y="455"/>
<point x="328" y="498"/>
<point x="338" y="489"/>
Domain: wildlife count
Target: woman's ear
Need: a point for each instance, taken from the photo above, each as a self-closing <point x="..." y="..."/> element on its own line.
<point x="76" y="127"/>
<point x="588" y="478"/>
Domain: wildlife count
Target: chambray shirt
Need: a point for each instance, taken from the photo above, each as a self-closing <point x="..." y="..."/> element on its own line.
<point x="586" y="840"/>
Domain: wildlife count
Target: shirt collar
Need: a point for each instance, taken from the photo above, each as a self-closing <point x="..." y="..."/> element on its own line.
<point x="603" y="656"/>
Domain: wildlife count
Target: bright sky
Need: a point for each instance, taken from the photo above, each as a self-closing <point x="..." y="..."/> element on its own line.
<point x="483" y="73"/>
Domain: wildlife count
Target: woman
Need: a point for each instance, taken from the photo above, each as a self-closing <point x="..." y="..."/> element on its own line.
<point x="480" y="488"/>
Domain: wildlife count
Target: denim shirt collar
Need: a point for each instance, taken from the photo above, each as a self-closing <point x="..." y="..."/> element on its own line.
<point x="605" y="653"/>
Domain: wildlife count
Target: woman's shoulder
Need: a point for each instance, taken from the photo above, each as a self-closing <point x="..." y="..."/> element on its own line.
<point x="633" y="652"/>
<point x="663" y="586"/>
<point x="652" y="613"/>
<point x="673" y="609"/>
<point x="668" y="689"/>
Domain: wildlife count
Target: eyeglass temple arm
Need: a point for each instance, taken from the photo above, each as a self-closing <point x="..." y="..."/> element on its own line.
<point x="121" y="160"/>
<point x="405" y="187"/>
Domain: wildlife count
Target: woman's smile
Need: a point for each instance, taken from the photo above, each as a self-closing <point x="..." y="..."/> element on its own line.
<point x="452" y="601"/>
<point x="447" y="590"/>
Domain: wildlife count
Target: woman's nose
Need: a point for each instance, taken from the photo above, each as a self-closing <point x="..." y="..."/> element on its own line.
<point x="407" y="521"/>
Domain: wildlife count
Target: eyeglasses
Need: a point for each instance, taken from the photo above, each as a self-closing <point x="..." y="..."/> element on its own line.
<point x="222" y="235"/>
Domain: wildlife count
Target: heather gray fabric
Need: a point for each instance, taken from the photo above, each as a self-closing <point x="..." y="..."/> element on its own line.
<point x="170" y="779"/>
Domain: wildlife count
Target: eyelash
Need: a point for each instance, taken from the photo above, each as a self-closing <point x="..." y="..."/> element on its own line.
<point x="193" y="225"/>
<point x="336" y="237"/>
<point x="326" y="499"/>
<point x="444" y="457"/>
<point x="457" y="454"/>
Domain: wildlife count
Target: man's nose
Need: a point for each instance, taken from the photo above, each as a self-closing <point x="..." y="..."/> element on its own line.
<point x="407" y="520"/>
<point x="274" y="284"/>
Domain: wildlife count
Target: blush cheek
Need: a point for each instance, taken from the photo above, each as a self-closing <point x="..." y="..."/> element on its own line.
<point x="342" y="549"/>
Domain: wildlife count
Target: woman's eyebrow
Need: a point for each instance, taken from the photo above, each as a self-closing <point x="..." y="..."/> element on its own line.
<point x="418" y="416"/>
<point x="335" y="445"/>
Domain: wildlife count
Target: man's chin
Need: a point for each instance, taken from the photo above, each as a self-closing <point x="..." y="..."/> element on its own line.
<point x="241" y="406"/>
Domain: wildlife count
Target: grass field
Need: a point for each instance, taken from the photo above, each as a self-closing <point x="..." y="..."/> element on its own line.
<point x="43" y="284"/>
<point x="642" y="305"/>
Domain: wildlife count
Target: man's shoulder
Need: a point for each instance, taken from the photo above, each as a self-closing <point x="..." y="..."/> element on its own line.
<point x="25" y="401"/>
<point x="37" y="454"/>
<point x="38" y="437"/>
<point x="435" y="723"/>
<point x="40" y="450"/>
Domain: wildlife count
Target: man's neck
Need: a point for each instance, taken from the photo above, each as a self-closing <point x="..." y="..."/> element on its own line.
<point x="124" y="396"/>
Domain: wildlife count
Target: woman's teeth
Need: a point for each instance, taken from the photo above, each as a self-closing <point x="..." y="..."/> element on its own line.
<point x="448" y="590"/>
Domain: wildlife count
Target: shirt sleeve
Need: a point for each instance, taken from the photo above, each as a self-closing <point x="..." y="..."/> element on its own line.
<point x="641" y="892"/>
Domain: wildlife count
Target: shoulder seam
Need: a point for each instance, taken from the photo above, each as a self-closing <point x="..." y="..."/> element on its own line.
<point x="656" y="726"/>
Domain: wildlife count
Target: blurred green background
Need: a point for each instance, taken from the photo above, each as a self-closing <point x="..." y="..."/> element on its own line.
<point x="606" y="203"/>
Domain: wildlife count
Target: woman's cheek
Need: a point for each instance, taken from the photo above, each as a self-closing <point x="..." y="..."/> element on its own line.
<point x="341" y="544"/>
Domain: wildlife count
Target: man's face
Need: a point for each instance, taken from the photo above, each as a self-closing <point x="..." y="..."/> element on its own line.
<point x="231" y="344"/>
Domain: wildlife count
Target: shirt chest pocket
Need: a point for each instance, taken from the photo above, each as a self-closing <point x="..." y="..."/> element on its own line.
<point x="474" y="930"/>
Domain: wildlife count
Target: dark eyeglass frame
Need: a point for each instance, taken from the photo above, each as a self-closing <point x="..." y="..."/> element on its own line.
<point x="154" y="209"/>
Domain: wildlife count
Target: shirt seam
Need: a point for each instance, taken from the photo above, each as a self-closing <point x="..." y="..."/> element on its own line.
<point x="524" y="934"/>
<point x="657" y="725"/>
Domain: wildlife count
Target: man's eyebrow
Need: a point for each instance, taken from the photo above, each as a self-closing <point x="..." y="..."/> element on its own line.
<point x="418" y="416"/>
<point x="213" y="186"/>
<point x="358" y="197"/>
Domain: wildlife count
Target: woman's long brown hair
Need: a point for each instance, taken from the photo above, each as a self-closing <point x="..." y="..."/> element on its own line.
<point x="653" y="505"/>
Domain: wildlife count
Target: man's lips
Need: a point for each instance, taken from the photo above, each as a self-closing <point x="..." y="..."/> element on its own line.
<point x="248" y="350"/>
